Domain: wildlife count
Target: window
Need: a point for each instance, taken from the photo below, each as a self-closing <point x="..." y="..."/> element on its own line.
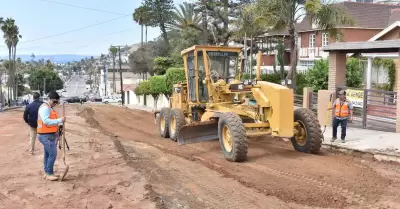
<point x="307" y="63"/>
<point x="311" y="42"/>
<point x="324" y="39"/>
<point x="203" y="93"/>
<point x="192" y="77"/>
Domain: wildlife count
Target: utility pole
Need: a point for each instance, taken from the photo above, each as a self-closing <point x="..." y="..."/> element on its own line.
<point x="120" y="75"/>
<point x="105" y="77"/>
<point x="44" y="86"/>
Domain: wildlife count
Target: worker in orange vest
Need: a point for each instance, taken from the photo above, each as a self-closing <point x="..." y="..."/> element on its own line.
<point x="343" y="112"/>
<point x="48" y="122"/>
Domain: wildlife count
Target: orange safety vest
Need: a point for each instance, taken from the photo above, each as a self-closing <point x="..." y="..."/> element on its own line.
<point x="43" y="128"/>
<point x="342" y="110"/>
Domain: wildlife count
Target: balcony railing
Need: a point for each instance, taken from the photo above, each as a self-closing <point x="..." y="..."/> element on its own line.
<point x="315" y="52"/>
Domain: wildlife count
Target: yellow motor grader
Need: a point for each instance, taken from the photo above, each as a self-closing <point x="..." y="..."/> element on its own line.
<point x="214" y="103"/>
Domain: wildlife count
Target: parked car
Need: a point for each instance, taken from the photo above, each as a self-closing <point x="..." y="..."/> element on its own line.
<point x="83" y="98"/>
<point x="112" y="99"/>
<point x="96" y="99"/>
<point x="73" y="100"/>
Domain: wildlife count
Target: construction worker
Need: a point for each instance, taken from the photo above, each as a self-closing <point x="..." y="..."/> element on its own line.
<point x="343" y="112"/>
<point x="30" y="118"/>
<point x="48" y="122"/>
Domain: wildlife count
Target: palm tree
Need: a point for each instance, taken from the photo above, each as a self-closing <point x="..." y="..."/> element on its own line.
<point x="285" y="14"/>
<point x="142" y="17"/>
<point x="137" y="17"/>
<point x="185" y="16"/>
<point x="113" y="51"/>
<point x="1" y="72"/>
<point x="11" y="37"/>
<point x="15" y="39"/>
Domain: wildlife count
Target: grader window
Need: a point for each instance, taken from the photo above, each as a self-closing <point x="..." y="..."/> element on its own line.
<point x="203" y="92"/>
<point x="192" y="77"/>
<point x="223" y="65"/>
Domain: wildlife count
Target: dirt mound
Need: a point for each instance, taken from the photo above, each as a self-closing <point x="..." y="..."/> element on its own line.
<point x="88" y="114"/>
<point x="273" y="169"/>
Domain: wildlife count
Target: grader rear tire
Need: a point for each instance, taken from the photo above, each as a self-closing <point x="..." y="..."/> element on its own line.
<point x="176" y="121"/>
<point x="232" y="137"/>
<point x="309" y="138"/>
<point x="163" y="122"/>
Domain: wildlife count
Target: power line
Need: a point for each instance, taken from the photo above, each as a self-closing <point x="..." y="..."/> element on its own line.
<point x="56" y="43"/>
<point x="80" y="7"/>
<point x="86" y="27"/>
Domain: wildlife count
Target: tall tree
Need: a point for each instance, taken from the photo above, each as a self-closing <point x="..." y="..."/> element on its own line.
<point x="2" y="70"/>
<point x="11" y="37"/>
<point x="246" y="25"/>
<point x="185" y="16"/>
<point x="285" y="14"/>
<point x="219" y="14"/>
<point x="142" y="17"/>
<point x="160" y="13"/>
<point x="113" y="52"/>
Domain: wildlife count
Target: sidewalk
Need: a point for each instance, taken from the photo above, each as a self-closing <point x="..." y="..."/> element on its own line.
<point x="141" y="107"/>
<point x="10" y="108"/>
<point x="383" y="146"/>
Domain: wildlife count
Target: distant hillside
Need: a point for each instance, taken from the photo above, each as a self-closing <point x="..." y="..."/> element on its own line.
<point x="59" y="58"/>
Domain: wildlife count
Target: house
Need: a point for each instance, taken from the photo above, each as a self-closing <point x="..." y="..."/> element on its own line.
<point x="370" y="19"/>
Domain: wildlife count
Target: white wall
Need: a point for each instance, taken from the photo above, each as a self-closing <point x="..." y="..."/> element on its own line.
<point x="161" y="102"/>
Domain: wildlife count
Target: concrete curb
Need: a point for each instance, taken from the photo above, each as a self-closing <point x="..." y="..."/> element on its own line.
<point x="379" y="156"/>
<point x="11" y="108"/>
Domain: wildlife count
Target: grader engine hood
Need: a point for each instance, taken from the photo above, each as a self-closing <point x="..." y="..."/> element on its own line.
<point x="277" y="102"/>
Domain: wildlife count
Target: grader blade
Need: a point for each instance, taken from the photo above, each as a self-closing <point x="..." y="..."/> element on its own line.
<point x="198" y="132"/>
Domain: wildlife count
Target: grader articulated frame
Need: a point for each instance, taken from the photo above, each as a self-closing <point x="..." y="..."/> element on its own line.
<point x="214" y="104"/>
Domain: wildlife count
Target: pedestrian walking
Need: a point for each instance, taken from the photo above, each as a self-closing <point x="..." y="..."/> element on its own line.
<point x="30" y="118"/>
<point x="343" y="113"/>
<point x="48" y="125"/>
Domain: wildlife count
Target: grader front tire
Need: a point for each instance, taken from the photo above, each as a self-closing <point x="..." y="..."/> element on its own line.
<point x="232" y="137"/>
<point x="163" y="122"/>
<point x="309" y="136"/>
<point x="176" y="121"/>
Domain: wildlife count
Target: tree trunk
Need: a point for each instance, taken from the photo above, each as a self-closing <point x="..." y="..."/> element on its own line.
<point x="164" y="35"/>
<point x="293" y="58"/>
<point x="1" y="89"/>
<point x="146" y="35"/>
<point x="204" y="20"/>
<point x="9" y="79"/>
<point x="113" y="84"/>
<point x="15" y="73"/>
<point x="251" y="56"/>
<point x="141" y="36"/>
<point x="155" y="97"/>
<point x="226" y="23"/>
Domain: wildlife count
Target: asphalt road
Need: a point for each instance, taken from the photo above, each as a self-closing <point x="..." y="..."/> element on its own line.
<point x="76" y="86"/>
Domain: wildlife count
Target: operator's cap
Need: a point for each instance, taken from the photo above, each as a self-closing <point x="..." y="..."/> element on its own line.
<point x="342" y="92"/>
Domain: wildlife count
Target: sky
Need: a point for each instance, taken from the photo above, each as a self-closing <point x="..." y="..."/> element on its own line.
<point x="45" y="25"/>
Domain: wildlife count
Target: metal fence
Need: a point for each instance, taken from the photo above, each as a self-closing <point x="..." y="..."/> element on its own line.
<point x="373" y="109"/>
<point x="313" y="102"/>
<point x="298" y="100"/>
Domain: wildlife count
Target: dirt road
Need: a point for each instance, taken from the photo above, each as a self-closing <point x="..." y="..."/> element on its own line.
<point x="121" y="162"/>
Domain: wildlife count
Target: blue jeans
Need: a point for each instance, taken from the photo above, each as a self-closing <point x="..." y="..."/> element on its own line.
<point x="343" y="124"/>
<point x="49" y="142"/>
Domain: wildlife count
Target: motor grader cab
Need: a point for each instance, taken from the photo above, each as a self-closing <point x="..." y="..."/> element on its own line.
<point x="214" y="104"/>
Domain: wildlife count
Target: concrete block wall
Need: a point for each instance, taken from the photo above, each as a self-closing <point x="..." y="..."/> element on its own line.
<point x="337" y="70"/>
